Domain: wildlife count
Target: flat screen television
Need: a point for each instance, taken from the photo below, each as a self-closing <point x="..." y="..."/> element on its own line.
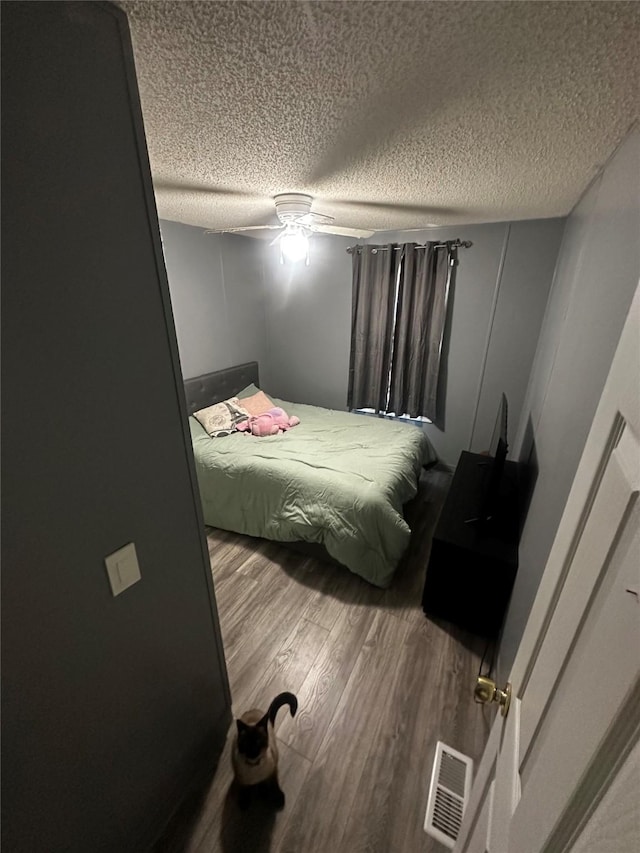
<point x="494" y="467"/>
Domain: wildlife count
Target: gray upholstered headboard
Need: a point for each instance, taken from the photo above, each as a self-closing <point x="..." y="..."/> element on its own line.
<point x="210" y="388"/>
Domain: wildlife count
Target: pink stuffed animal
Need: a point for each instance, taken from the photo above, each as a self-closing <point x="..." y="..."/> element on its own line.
<point x="270" y="423"/>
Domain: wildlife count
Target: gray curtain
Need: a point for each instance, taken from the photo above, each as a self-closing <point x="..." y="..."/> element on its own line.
<point x="419" y="329"/>
<point x="400" y="296"/>
<point x="375" y="270"/>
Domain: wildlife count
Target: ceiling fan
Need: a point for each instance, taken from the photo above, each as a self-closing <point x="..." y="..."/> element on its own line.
<point x="297" y="224"/>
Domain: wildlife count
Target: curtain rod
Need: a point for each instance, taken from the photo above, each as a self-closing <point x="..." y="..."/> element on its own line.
<point x="449" y="244"/>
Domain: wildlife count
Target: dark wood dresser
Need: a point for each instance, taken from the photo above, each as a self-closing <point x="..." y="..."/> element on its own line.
<point x="473" y="563"/>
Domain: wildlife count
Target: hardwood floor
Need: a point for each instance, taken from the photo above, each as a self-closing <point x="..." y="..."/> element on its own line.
<point x="377" y="683"/>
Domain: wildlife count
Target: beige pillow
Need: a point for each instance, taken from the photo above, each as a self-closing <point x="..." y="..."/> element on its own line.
<point x="257" y="404"/>
<point x="223" y="418"/>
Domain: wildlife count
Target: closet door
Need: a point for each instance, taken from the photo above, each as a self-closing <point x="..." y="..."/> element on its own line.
<point x="110" y="704"/>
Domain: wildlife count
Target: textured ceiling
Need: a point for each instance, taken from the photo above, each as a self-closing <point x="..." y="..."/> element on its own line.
<point x="391" y="114"/>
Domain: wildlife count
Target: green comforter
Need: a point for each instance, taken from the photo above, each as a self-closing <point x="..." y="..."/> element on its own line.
<point x="336" y="478"/>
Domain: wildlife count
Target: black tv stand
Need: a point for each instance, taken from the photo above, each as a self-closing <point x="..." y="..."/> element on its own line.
<point x="473" y="563"/>
<point x="478" y="519"/>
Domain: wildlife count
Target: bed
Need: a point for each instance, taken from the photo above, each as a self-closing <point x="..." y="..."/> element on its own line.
<point x="336" y="479"/>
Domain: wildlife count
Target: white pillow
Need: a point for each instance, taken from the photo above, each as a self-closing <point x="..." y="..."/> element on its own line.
<point x="223" y="418"/>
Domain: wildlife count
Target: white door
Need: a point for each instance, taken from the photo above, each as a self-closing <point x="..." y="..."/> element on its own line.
<point x="561" y="771"/>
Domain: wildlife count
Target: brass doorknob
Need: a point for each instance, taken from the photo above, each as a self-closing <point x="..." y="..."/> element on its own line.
<point x="486" y="691"/>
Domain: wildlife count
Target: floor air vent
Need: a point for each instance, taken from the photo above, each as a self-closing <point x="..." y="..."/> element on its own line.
<point x="448" y="794"/>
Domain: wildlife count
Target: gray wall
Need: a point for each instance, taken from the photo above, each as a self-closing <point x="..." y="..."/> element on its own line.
<point x="597" y="274"/>
<point x="233" y="302"/>
<point x="217" y="294"/>
<point x="109" y="705"/>
<point x="308" y="317"/>
<point x="520" y="296"/>
<point x="501" y="287"/>
<point x="223" y="289"/>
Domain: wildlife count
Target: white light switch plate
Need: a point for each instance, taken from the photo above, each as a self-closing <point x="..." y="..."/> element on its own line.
<point x="122" y="568"/>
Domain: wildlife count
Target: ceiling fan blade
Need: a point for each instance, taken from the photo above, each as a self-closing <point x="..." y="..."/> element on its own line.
<point x="240" y="229"/>
<point x="408" y="230"/>
<point x="315" y="219"/>
<point x="359" y="233"/>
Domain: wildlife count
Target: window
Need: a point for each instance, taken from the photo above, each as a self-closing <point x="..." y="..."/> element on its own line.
<point x="400" y="295"/>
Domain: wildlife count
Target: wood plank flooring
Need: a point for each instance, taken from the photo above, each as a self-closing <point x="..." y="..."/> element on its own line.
<point x="377" y="683"/>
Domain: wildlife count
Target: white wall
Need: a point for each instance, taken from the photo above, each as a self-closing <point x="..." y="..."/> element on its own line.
<point x="597" y="273"/>
<point x="217" y="297"/>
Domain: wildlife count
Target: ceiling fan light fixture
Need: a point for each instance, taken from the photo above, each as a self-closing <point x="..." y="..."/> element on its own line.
<point x="297" y="224"/>
<point x="294" y="246"/>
